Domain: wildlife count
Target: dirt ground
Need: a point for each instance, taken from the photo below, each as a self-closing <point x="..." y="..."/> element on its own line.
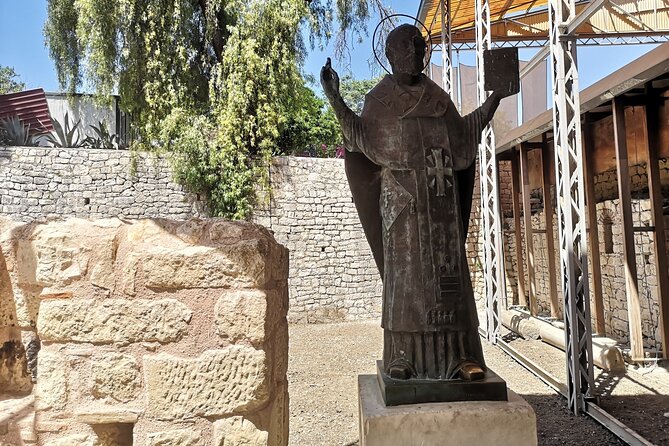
<point x="640" y="399"/>
<point x="325" y="361"/>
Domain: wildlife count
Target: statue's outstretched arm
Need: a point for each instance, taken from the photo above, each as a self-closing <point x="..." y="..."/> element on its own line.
<point x="465" y="131"/>
<point x="352" y="125"/>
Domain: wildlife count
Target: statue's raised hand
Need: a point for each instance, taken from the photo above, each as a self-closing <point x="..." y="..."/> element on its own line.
<point x="330" y="80"/>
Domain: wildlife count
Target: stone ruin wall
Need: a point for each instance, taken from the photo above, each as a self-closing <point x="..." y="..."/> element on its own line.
<point x="39" y="183"/>
<point x="333" y="276"/>
<point x="152" y="332"/>
<point x="611" y="257"/>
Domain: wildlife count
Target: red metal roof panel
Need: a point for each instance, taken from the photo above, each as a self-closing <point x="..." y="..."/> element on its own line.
<point x="31" y="108"/>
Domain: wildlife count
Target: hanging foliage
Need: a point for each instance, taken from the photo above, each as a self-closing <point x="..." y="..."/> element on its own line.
<point x="214" y="82"/>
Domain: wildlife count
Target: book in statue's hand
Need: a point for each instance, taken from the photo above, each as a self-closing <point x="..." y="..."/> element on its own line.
<point x="501" y="71"/>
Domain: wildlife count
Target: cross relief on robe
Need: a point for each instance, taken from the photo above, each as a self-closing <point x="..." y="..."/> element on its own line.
<point x="440" y="170"/>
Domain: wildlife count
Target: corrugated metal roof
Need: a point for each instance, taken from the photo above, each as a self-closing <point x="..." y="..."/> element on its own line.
<point x="513" y="20"/>
<point x="31" y="108"/>
<point x="463" y="12"/>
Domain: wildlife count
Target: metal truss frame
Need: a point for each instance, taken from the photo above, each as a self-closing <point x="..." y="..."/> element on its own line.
<point x="447" y="48"/>
<point x="493" y="268"/>
<point x="595" y="40"/>
<point x="563" y="39"/>
<point x="570" y="190"/>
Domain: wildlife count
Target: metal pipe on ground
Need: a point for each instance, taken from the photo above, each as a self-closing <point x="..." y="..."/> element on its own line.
<point x="606" y="354"/>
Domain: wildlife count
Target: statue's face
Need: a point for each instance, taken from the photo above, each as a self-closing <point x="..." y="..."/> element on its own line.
<point x="405" y="49"/>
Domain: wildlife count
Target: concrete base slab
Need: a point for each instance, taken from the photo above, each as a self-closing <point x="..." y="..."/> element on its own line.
<point x="483" y="423"/>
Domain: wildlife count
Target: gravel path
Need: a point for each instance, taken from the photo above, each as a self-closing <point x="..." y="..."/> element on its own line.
<point x="326" y="359"/>
<point x="639" y="399"/>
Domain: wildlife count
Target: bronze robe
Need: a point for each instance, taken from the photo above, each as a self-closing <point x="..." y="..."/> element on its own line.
<point x="411" y="142"/>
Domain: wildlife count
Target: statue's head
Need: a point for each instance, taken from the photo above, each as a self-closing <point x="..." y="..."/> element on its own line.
<point x="405" y="50"/>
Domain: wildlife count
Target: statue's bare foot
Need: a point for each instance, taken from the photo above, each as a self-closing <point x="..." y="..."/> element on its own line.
<point x="471" y="372"/>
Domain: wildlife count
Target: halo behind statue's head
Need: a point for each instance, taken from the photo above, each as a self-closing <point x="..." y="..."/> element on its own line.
<point x="394" y="33"/>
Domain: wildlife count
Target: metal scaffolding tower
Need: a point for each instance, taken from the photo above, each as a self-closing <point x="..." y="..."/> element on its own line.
<point x="570" y="198"/>
<point x="556" y="29"/>
<point x="490" y="208"/>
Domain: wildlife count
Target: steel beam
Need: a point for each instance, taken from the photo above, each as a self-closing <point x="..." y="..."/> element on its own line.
<point x="493" y="268"/>
<point x="446" y="47"/>
<point x="584" y="16"/>
<point x="571" y="210"/>
<point x="637" y="38"/>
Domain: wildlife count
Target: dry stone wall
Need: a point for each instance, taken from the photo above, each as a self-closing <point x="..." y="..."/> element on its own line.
<point x="40" y="182"/>
<point x="332" y="273"/>
<point x="153" y="332"/>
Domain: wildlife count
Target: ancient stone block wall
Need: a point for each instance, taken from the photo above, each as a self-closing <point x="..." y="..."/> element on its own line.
<point x="332" y="273"/>
<point x="610" y="233"/>
<point x="474" y="243"/>
<point x="41" y="182"/>
<point x="153" y="332"/>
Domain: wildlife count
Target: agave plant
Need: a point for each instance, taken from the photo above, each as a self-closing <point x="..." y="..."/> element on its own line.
<point x="103" y="139"/>
<point x="14" y="133"/>
<point x="65" y="136"/>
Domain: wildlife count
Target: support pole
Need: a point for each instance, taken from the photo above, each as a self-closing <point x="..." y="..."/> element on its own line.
<point x="495" y="288"/>
<point x="546" y="154"/>
<point x="571" y="210"/>
<point x="593" y="233"/>
<point x="629" y="253"/>
<point x="655" y="192"/>
<point x="529" y="235"/>
<point x="446" y="47"/>
<point x="515" y="190"/>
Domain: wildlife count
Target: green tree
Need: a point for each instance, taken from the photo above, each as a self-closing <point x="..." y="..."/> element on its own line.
<point x="9" y="81"/>
<point x="224" y="71"/>
<point x="353" y="91"/>
<point x="312" y="125"/>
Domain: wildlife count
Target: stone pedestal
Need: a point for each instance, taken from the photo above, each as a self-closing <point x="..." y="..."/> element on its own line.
<point x="480" y="423"/>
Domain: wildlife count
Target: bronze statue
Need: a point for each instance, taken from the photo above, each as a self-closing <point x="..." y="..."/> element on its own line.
<point x="409" y="162"/>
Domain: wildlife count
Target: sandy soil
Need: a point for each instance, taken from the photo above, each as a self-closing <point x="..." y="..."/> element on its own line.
<point x="326" y="359"/>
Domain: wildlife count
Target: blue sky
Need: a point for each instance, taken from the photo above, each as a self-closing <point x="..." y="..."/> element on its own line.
<point x="22" y="47"/>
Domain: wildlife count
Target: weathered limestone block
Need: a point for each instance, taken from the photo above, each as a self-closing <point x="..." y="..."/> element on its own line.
<point x="52" y="373"/>
<point x="116" y="376"/>
<point x="65" y="252"/>
<point x="217" y="383"/>
<point x="242" y="314"/>
<point x="238" y="266"/>
<point x="18" y="304"/>
<point x="237" y="431"/>
<point x="107" y="415"/>
<point x="206" y="254"/>
<point x="7" y="304"/>
<point x="113" y="321"/>
<point x="71" y="440"/>
<point x="179" y="437"/>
